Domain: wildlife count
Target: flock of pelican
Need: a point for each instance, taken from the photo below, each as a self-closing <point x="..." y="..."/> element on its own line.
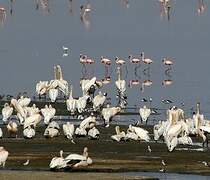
<point x="175" y="130"/>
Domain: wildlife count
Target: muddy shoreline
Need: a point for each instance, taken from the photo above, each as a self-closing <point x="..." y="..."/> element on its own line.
<point x="108" y="156"/>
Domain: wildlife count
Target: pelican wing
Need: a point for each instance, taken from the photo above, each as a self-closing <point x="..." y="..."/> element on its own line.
<point x="53" y="93"/>
<point x="205" y="128"/>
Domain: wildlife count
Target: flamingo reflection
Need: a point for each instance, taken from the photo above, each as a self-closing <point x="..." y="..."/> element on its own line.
<point x="135" y="61"/>
<point x="168" y="62"/>
<point x="70" y="2"/>
<point x="12" y="6"/>
<point x="201" y="7"/>
<point x="165" y="8"/>
<point x="107" y="62"/>
<point x="126" y="3"/>
<point x="44" y="5"/>
<point x="148" y="62"/>
<point x="84" y="14"/>
<point x="167" y="82"/>
<point x="2" y="15"/>
<point x="145" y="83"/>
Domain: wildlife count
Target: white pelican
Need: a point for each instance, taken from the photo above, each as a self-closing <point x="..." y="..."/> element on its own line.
<point x="82" y="102"/>
<point x="32" y="120"/>
<point x="99" y="100"/>
<point x="6" y="112"/>
<point x="53" y="94"/>
<point x="77" y="160"/>
<point x="52" y="130"/>
<point x="18" y="108"/>
<point x="109" y="112"/>
<point x="41" y="87"/>
<point x="32" y="110"/>
<point x="48" y="113"/>
<point x="88" y="123"/>
<point x="185" y="140"/>
<point x="68" y="130"/>
<point x="144" y="113"/>
<point x="142" y="134"/>
<point x="12" y="128"/>
<point x="80" y="132"/>
<point x="29" y="132"/>
<point x="24" y="101"/>
<point x="131" y="135"/>
<point x="119" y="135"/>
<point x="93" y="133"/>
<point x="71" y="102"/>
<point x="58" y="162"/>
<point x="121" y="88"/>
<point x="3" y="156"/>
<point x="87" y="84"/>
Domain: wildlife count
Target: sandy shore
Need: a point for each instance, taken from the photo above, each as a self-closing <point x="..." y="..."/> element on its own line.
<point x="108" y="156"/>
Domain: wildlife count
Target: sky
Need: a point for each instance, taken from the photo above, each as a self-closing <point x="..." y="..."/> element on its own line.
<point x="31" y="44"/>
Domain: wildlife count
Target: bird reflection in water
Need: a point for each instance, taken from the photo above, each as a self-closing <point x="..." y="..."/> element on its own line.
<point x="107" y="75"/>
<point x="201" y="7"/>
<point x="148" y="62"/>
<point x="168" y="62"/>
<point x="167" y="82"/>
<point x="2" y="15"/>
<point x="126" y="3"/>
<point x="145" y="83"/>
<point x="44" y="5"/>
<point x="165" y="8"/>
<point x="70" y="4"/>
<point x="85" y="14"/>
<point x="136" y="62"/>
<point x="12" y="6"/>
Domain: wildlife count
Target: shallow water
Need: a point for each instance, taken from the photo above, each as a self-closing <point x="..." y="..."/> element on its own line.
<point x="31" y="42"/>
<point x="169" y="176"/>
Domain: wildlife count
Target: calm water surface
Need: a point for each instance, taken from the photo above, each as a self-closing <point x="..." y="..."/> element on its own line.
<point x="31" y="44"/>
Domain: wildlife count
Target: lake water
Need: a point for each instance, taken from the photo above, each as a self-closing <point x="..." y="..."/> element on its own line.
<point x="169" y="176"/>
<point x="31" y="40"/>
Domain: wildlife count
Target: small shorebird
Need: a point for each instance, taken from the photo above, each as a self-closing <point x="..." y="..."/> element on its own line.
<point x="149" y="149"/>
<point x="163" y="163"/>
<point x="26" y="163"/>
<point x="166" y="101"/>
